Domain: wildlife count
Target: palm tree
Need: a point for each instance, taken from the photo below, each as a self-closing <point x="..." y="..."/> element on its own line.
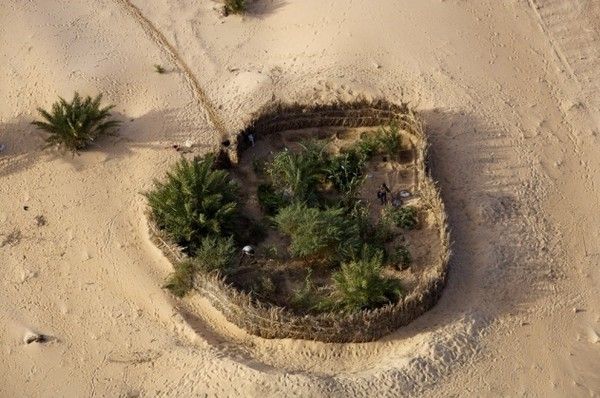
<point x="195" y="201"/>
<point x="359" y="284"/>
<point x="298" y="174"/>
<point x="78" y="123"/>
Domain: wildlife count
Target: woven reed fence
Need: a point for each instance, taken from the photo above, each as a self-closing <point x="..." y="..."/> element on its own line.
<point x="269" y="321"/>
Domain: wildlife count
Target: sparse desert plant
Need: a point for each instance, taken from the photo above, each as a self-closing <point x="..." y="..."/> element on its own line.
<point x="269" y="200"/>
<point x="235" y="6"/>
<point x="304" y="299"/>
<point x="262" y="286"/>
<point x="159" y="69"/>
<point x="401" y="257"/>
<point x="324" y="234"/>
<point x="76" y="124"/>
<point x="181" y="281"/>
<point x="359" y="285"/>
<point x="194" y="201"/>
<point x="215" y="254"/>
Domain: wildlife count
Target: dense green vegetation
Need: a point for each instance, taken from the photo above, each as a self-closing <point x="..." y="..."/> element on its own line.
<point x="321" y="234"/>
<point x="195" y="201"/>
<point x="77" y="124"/>
<point x="359" y="284"/>
<point x="309" y="199"/>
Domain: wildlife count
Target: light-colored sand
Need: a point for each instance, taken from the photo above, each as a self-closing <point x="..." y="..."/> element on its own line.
<point x="510" y="91"/>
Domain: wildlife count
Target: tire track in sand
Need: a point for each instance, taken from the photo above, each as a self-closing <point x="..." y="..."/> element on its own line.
<point x="572" y="31"/>
<point x="161" y="41"/>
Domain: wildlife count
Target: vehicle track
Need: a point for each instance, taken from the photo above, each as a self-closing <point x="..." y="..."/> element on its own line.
<point x="569" y="27"/>
<point x="161" y="41"/>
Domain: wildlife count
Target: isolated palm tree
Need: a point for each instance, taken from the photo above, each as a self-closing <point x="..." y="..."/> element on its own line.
<point x="76" y="124"/>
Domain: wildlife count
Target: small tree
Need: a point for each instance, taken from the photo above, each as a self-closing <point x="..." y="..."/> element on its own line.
<point x="359" y="284"/>
<point x="76" y="124"/>
<point x="195" y="201"/>
<point x="318" y="233"/>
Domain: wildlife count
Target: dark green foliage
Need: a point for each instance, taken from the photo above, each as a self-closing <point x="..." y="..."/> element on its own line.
<point x="359" y="285"/>
<point x="403" y="217"/>
<point x="270" y="201"/>
<point x="324" y="234"/>
<point x="345" y="171"/>
<point x="235" y="6"/>
<point x="180" y="282"/>
<point x="194" y="201"/>
<point x="76" y="124"/>
<point x="401" y="257"/>
<point x="215" y="254"/>
<point x="297" y="175"/>
<point x="159" y="69"/>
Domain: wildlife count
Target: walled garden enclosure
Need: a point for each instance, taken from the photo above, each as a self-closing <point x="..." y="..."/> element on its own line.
<point x="307" y="279"/>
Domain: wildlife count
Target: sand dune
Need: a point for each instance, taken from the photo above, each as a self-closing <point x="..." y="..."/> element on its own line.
<point x="509" y="91"/>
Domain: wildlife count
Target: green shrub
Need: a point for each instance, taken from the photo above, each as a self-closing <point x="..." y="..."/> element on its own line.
<point x="368" y="145"/>
<point x="194" y="201"/>
<point x="385" y="141"/>
<point x="401" y="257"/>
<point x="324" y="234"/>
<point x="345" y="171"/>
<point x="159" y="69"/>
<point x="76" y="124"/>
<point x="359" y="285"/>
<point x="297" y="175"/>
<point x="180" y="282"/>
<point x="390" y="140"/>
<point x="269" y="200"/>
<point x="235" y="6"/>
<point x="403" y="217"/>
<point x="215" y="254"/>
<point x="383" y="232"/>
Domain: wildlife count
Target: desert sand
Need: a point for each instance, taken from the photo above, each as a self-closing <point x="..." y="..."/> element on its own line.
<point x="509" y="91"/>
